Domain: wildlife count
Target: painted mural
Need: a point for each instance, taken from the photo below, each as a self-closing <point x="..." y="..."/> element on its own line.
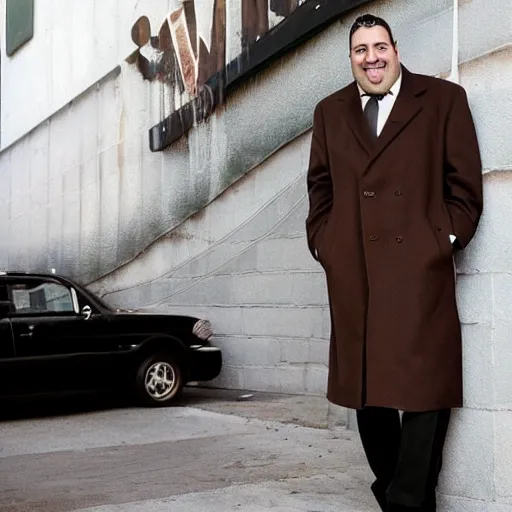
<point x="189" y="51"/>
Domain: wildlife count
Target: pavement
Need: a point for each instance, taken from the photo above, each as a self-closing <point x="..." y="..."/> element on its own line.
<point x="214" y="451"/>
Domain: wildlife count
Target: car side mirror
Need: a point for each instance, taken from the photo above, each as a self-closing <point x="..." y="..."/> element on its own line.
<point x="6" y="308"/>
<point x="87" y="312"/>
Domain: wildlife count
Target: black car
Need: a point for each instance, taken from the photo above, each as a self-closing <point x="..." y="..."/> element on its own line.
<point x="56" y="336"/>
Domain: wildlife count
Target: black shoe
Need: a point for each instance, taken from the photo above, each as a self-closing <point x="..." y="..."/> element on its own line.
<point x="428" y="506"/>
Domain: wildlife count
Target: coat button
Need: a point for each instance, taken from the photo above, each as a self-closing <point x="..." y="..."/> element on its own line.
<point x="373" y="238"/>
<point x="399" y="239"/>
<point x="398" y="192"/>
<point x="367" y="193"/>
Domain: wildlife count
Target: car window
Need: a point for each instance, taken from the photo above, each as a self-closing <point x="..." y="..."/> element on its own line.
<point x="42" y="297"/>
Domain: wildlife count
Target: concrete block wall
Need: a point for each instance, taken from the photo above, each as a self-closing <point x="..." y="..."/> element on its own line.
<point x="478" y="467"/>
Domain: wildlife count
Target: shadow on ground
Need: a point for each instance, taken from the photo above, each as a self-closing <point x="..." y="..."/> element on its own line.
<point x="297" y="409"/>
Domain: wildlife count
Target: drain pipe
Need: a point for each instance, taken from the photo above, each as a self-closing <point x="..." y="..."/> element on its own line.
<point x="454" y="73"/>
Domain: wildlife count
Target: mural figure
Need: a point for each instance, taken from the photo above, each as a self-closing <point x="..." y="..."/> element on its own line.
<point x="181" y="57"/>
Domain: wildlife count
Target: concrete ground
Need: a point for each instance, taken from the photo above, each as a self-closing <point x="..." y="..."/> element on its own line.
<point x="212" y="452"/>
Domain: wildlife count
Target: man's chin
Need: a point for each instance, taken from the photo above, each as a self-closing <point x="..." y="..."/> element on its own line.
<point x="371" y="88"/>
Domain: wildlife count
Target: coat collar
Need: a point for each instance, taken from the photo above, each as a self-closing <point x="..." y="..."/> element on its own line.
<point x="407" y="106"/>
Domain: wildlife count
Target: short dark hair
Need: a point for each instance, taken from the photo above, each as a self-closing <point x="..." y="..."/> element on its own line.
<point x="368" y="21"/>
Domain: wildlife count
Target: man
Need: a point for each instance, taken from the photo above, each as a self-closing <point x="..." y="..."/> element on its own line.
<point x="394" y="178"/>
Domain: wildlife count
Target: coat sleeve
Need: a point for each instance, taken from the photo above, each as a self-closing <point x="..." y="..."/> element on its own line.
<point x="463" y="175"/>
<point x="319" y="183"/>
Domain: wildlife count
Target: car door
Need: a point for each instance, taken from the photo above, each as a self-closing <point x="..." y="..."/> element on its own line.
<point x="7" y="362"/>
<point x="105" y="348"/>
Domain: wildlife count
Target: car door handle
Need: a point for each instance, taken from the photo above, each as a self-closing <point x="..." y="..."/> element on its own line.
<point x="29" y="333"/>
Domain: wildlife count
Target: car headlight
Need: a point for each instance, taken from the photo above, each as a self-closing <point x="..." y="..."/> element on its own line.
<point x="202" y="329"/>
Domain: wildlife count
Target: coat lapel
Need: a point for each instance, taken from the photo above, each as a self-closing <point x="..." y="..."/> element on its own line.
<point x="407" y="106"/>
<point x="353" y="112"/>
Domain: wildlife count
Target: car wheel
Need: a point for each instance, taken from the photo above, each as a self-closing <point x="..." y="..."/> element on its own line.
<point x="159" y="380"/>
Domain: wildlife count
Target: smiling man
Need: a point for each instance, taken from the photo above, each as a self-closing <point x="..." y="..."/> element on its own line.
<point x="395" y="187"/>
<point x="374" y="55"/>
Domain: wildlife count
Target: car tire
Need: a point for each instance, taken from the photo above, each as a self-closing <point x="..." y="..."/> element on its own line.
<point x="159" y="380"/>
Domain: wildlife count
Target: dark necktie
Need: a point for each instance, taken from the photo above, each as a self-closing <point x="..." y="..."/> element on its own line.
<point x="371" y="112"/>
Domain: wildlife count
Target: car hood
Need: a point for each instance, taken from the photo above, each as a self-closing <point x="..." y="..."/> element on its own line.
<point x="144" y="314"/>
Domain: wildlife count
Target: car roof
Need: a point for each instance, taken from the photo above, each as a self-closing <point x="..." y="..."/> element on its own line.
<point x="18" y="273"/>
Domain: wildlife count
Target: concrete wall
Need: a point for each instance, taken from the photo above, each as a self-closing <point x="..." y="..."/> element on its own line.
<point x="74" y="45"/>
<point x="82" y="193"/>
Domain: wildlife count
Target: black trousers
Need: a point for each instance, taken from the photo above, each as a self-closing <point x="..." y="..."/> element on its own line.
<point x="405" y="456"/>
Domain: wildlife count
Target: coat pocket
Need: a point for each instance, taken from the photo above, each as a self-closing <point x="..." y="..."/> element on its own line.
<point x="442" y="236"/>
<point x="326" y="240"/>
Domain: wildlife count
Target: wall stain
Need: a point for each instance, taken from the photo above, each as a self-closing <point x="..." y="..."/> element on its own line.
<point x="120" y="142"/>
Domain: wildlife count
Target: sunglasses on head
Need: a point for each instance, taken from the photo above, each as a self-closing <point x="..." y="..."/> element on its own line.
<point x="367" y="21"/>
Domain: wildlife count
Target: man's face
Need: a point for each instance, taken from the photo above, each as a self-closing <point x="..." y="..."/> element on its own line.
<point x="375" y="61"/>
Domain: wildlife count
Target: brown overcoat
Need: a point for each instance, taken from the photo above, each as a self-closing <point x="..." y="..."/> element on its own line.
<point x="379" y="223"/>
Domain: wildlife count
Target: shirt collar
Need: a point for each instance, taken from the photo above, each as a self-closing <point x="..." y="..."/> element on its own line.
<point x="395" y="88"/>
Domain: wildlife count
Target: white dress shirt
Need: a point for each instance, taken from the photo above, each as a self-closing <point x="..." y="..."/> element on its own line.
<point x="385" y="104"/>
